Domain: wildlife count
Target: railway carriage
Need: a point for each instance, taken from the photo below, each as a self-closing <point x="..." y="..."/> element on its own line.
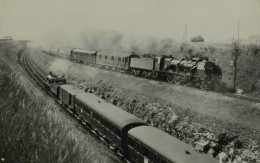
<point x="139" y="142"/>
<point x="84" y="56"/>
<point x="109" y="120"/>
<point x="147" y="144"/>
<point x="114" y="59"/>
<point x="67" y="95"/>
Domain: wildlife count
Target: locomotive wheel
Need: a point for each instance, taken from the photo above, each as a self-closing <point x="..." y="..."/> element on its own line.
<point x="149" y="74"/>
<point x="178" y="79"/>
<point x="170" y="78"/>
<point x="155" y="75"/>
<point x="206" y="84"/>
<point x="136" y="72"/>
<point x="146" y="74"/>
<point x="133" y="72"/>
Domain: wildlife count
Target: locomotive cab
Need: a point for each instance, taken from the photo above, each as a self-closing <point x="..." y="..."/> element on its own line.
<point x="54" y="81"/>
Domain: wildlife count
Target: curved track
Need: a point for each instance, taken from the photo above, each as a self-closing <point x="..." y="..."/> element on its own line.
<point x="25" y="63"/>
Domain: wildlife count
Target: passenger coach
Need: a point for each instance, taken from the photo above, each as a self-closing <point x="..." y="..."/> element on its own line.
<point x="108" y="119"/>
<point x="149" y="144"/>
<point x="115" y="59"/>
<point x="82" y="55"/>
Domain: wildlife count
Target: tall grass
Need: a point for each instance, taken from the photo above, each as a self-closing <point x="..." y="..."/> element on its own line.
<point x="32" y="131"/>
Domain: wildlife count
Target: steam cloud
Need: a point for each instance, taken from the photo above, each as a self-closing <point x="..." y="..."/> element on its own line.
<point x="109" y="40"/>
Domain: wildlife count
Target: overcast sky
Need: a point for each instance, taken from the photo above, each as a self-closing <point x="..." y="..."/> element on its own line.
<point x="213" y="19"/>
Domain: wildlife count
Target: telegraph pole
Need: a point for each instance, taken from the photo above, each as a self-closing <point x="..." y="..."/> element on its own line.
<point x="184" y="34"/>
<point x="236" y="53"/>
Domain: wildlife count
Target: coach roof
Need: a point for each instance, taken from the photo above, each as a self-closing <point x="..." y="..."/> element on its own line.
<point x="168" y="146"/>
<point x="84" y="51"/>
<point x="115" y="53"/>
<point x="112" y="113"/>
<point x="71" y="89"/>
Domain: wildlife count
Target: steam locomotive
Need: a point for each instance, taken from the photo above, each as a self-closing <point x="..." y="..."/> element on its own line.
<point x="199" y="72"/>
<point x="130" y="135"/>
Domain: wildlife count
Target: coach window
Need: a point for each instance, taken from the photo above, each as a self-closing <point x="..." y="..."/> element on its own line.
<point x="86" y="109"/>
<point x="163" y="161"/>
<point x="155" y="158"/>
<point x="126" y="59"/>
<point x="117" y="131"/>
<point x="146" y="152"/>
<point x="123" y="59"/>
<point x="97" y="117"/>
<point x="119" y="59"/>
<point x="112" y="58"/>
<point x="111" y="127"/>
<point x="106" y="123"/>
<point x="102" y="121"/>
<point x="131" y="142"/>
<point x="99" y="56"/>
<point x="105" y="57"/>
<point x="94" y="115"/>
<point x="138" y="147"/>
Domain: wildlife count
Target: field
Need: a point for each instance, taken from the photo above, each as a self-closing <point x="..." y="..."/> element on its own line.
<point x="189" y="114"/>
<point x="33" y="128"/>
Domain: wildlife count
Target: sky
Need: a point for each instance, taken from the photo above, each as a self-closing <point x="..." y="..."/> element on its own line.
<point x="215" y="20"/>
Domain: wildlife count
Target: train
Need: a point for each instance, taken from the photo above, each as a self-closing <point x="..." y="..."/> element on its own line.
<point x="197" y="72"/>
<point x="131" y="136"/>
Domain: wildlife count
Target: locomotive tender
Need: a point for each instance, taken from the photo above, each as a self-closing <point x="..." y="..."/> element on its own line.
<point x="138" y="141"/>
<point x="198" y="71"/>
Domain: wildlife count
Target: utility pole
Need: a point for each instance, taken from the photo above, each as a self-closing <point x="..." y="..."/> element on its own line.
<point x="184" y="34"/>
<point x="236" y="53"/>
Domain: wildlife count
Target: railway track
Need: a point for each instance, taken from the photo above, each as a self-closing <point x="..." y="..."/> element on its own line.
<point x="233" y="95"/>
<point x="109" y="67"/>
<point x="25" y="63"/>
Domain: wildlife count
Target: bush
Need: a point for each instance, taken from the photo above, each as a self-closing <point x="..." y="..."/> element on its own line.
<point x="197" y="39"/>
<point x="238" y="144"/>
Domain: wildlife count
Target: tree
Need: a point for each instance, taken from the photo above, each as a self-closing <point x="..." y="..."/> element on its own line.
<point x="197" y="39"/>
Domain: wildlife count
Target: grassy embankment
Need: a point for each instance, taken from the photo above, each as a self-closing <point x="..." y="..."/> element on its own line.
<point x="32" y="128"/>
<point x="186" y="113"/>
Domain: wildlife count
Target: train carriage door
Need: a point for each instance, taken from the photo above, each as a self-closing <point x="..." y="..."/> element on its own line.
<point x="127" y="62"/>
<point x="157" y="62"/>
<point x="70" y="99"/>
<point x="94" y="60"/>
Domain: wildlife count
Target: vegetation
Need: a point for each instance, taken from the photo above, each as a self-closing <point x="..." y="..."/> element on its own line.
<point x="247" y="57"/>
<point x="32" y="130"/>
<point x="197" y="39"/>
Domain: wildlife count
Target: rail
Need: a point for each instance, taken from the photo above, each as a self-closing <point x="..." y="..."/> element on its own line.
<point x="29" y="69"/>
